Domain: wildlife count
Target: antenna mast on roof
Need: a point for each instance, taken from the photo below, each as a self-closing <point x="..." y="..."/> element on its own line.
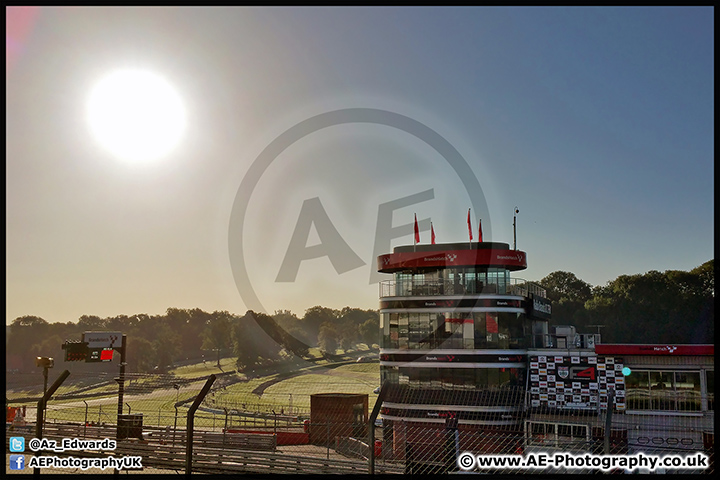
<point x="514" y="229"/>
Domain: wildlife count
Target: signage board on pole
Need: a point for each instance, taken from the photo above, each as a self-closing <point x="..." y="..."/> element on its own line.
<point x="103" y="339"/>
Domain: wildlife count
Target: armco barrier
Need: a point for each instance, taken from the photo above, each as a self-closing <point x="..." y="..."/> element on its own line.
<point x="283" y="438"/>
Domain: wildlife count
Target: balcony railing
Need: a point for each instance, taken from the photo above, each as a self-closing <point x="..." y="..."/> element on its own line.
<point x="420" y="287"/>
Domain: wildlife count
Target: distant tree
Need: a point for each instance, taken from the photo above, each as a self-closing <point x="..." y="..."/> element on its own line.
<point x="190" y="324"/>
<point x="285" y="318"/>
<point x="328" y="339"/>
<point x="268" y="337"/>
<point x="168" y="342"/>
<point x="295" y="337"/>
<point x="141" y="355"/>
<point x="245" y="346"/>
<point x="25" y="332"/>
<point x="162" y="356"/>
<point x="655" y="307"/>
<point x="369" y="331"/>
<point x="121" y="323"/>
<point x="704" y="322"/>
<point x="706" y="277"/>
<point x="314" y="317"/>
<point x="91" y="323"/>
<point x="28" y="321"/>
<point x="50" y="346"/>
<point x="568" y="295"/>
<point x="348" y="323"/>
<point x="65" y="331"/>
<point x="566" y="285"/>
<point x="218" y="333"/>
<point x="145" y="326"/>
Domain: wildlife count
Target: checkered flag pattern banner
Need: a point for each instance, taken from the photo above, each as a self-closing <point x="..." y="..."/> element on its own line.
<point x="558" y="381"/>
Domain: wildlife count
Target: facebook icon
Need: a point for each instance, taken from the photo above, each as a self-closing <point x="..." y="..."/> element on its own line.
<point x="17" y="462"/>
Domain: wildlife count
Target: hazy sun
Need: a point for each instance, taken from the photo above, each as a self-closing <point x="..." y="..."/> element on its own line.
<point x="137" y="115"/>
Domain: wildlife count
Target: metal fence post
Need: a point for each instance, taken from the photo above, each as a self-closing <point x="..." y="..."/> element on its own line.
<point x="226" y="426"/>
<point x="121" y="381"/>
<point x="608" y="420"/>
<point x="449" y="448"/>
<point x="175" y="428"/>
<point x="191" y="423"/>
<point x="42" y="403"/>
<point x="86" y="422"/>
<point x="371" y="426"/>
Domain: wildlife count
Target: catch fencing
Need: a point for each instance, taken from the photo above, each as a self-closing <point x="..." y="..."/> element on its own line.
<point x="337" y="421"/>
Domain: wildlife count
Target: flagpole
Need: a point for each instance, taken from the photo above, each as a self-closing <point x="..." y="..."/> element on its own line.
<point x="514" y="230"/>
<point x="416" y="234"/>
<point x="469" y="230"/>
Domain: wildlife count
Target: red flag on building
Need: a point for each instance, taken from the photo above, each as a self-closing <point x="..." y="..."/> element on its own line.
<point x="432" y="234"/>
<point x="480" y="230"/>
<point x="469" y="226"/>
<point x="417" y="231"/>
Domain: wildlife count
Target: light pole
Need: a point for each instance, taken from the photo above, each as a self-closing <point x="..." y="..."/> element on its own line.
<point x="514" y="229"/>
<point x="121" y="381"/>
<point x="46" y="363"/>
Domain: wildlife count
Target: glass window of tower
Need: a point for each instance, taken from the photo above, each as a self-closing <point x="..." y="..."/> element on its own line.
<point x="470" y="378"/>
<point x="453" y="281"/>
<point x="457" y="330"/>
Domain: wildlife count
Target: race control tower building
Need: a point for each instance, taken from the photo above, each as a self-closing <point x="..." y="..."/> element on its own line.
<point x="455" y="331"/>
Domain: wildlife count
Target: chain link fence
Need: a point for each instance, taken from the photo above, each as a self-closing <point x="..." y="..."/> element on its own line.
<point x="324" y="421"/>
<point x="497" y="431"/>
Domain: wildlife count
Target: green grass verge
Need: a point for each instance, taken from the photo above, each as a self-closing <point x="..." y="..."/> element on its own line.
<point x="289" y="395"/>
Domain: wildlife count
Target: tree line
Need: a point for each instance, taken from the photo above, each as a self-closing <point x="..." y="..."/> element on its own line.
<point x="155" y="342"/>
<point x="674" y="306"/>
<point x="656" y="307"/>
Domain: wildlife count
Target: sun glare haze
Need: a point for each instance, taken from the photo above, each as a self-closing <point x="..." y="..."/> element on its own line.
<point x="136" y="115"/>
<point x="130" y="132"/>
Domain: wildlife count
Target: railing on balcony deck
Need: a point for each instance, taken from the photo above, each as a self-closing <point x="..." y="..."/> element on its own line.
<point x="420" y="287"/>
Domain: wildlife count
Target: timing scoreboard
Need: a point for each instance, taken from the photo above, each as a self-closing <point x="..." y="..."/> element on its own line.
<point x="80" y="352"/>
<point x="94" y="347"/>
<point x="576" y="382"/>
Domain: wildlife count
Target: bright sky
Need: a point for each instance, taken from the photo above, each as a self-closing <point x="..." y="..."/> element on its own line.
<point x="597" y="123"/>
